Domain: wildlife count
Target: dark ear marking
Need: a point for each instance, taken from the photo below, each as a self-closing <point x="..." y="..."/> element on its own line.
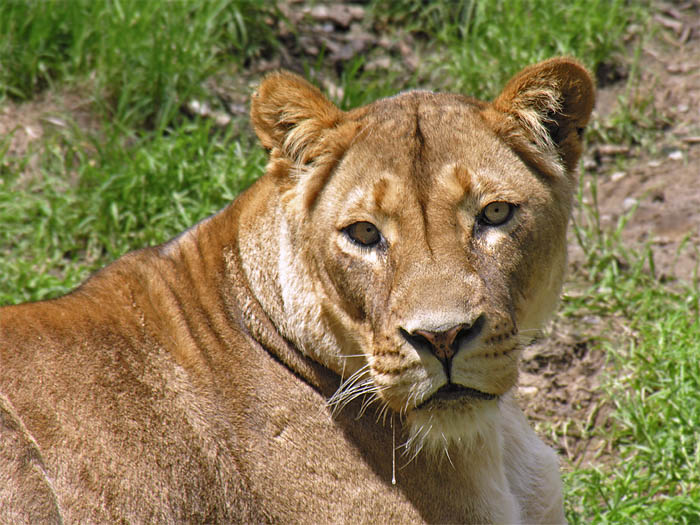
<point x="551" y="124"/>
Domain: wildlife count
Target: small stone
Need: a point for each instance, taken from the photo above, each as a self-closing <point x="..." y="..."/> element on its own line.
<point x="338" y="14"/>
<point x="610" y="150"/>
<point x="676" y="155"/>
<point x="617" y="176"/>
<point x="56" y="121"/>
<point x="529" y="391"/>
<point x="381" y="63"/>
<point x="629" y="203"/>
<point x="199" y="108"/>
<point x="221" y="119"/>
<point x="589" y="164"/>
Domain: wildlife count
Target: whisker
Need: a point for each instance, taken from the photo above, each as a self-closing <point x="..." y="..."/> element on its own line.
<point x="530" y="330"/>
<point x="349" y="382"/>
<point x="357" y="385"/>
<point x="419" y="446"/>
<point x="367" y="403"/>
<point x="447" y="452"/>
<point x="354" y="377"/>
<point x="349" y="394"/>
<point x="383" y="412"/>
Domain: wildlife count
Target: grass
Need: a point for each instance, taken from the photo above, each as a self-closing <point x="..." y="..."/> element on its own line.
<point x="142" y="59"/>
<point x="122" y="198"/>
<point x="653" y="388"/>
<point x="79" y="198"/>
<point x="652" y="385"/>
<point x="480" y="45"/>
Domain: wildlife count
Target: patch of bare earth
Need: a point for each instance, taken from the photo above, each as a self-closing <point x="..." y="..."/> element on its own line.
<point x="24" y="124"/>
<point x="658" y="187"/>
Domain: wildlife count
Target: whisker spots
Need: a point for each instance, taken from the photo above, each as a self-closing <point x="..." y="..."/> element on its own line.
<point x="395" y="371"/>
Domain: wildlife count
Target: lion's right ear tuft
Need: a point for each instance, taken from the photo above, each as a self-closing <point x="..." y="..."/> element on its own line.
<point x="290" y="115"/>
<point x="542" y="113"/>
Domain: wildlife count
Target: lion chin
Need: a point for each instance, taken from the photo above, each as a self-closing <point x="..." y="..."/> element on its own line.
<point x="454" y="420"/>
<point x="397" y="255"/>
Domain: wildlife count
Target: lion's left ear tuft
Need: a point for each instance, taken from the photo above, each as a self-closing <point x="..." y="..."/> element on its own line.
<point x="290" y="115"/>
<point x="547" y="107"/>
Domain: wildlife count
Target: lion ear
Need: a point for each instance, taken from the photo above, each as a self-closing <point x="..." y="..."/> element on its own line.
<point x="547" y="107"/>
<point x="290" y="115"/>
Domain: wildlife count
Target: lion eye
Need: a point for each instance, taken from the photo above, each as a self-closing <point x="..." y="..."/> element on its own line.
<point x="363" y="233"/>
<point x="497" y="213"/>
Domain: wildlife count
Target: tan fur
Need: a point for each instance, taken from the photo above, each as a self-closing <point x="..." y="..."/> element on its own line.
<point x="254" y="369"/>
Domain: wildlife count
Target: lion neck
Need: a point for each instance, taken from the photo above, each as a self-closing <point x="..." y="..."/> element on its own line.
<point x="252" y="269"/>
<point x="285" y="287"/>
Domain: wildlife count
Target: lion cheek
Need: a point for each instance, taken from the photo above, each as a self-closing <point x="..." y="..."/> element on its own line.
<point x="539" y="292"/>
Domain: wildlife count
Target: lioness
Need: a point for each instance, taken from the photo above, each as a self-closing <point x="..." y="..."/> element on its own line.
<point x="340" y="344"/>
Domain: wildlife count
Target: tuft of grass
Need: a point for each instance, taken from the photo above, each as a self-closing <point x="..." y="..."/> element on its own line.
<point x="493" y="40"/>
<point x="653" y="386"/>
<point x="123" y="198"/>
<point x="636" y="120"/>
<point x="144" y="58"/>
<point x="359" y="87"/>
<point x="652" y="383"/>
<point x="480" y="45"/>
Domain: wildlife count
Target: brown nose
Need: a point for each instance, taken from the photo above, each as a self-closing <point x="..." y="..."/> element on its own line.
<point x="441" y="343"/>
<point x="444" y="345"/>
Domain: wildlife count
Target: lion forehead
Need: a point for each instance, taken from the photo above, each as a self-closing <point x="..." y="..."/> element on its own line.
<point x="417" y="121"/>
<point x="431" y="143"/>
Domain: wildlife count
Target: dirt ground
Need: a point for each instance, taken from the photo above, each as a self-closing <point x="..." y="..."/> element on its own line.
<point x="656" y="183"/>
<point x="662" y="180"/>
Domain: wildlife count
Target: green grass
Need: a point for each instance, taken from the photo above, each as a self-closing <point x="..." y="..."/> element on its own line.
<point x="478" y="45"/>
<point x="653" y="386"/>
<point x="124" y="197"/>
<point x="143" y="58"/>
<point x="79" y="198"/>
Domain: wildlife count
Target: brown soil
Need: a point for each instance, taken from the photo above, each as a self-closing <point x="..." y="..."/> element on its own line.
<point x="661" y="182"/>
<point x="51" y="113"/>
<point x="657" y="184"/>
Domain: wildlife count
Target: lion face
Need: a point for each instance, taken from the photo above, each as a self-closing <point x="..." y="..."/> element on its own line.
<point x="434" y="250"/>
<point x="433" y="235"/>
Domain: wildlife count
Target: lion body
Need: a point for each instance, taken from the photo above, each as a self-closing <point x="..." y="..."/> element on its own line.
<point x="190" y="382"/>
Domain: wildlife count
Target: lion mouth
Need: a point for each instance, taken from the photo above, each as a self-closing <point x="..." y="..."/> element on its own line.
<point x="452" y="392"/>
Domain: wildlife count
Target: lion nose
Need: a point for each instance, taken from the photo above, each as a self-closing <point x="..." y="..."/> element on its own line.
<point x="444" y="344"/>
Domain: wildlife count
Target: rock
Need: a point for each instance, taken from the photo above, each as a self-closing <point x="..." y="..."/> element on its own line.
<point x="339" y="14"/>
<point x="609" y="150"/>
<point x="617" y="176"/>
<point x="629" y="203"/>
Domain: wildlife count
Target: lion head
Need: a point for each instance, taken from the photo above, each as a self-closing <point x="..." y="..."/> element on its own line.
<point x="422" y="238"/>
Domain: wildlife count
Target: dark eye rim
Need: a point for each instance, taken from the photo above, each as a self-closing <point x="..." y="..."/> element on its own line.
<point x="380" y="238"/>
<point x="485" y="221"/>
